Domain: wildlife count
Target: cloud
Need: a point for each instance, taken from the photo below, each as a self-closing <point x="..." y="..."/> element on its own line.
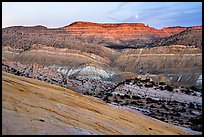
<point x="131" y="19"/>
<point x="159" y="14"/>
<point x="118" y="8"/>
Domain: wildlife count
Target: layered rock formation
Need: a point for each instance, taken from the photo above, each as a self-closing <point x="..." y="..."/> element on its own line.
<point x="180" y="63"/>
<point x="111" y="35"/>
<point x="120" y="33"/>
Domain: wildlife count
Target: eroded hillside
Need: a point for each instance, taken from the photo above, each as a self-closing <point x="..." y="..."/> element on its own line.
<point x="189" y="37"/>
<point x="182" y="65"/>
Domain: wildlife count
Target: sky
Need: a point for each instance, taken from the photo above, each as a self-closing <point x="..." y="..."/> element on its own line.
<point x="59" y="14"/>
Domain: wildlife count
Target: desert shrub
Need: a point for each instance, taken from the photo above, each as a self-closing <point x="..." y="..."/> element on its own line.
<point x="127" y="96"/>
<point x="194" y="88"/>
<point x="134" y="103"/>
<point x="136" y="97"/>
<point x="162" y="83"/>
<point x="109" y="94"/>
<point x="168" y="88"/>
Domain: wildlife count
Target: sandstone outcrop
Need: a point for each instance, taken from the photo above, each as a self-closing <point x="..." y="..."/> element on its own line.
<point x="33" y="107"/>
<point x="138" y="33"/>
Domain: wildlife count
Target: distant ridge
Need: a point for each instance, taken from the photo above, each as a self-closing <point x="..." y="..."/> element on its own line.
<point x="122" y="35"/>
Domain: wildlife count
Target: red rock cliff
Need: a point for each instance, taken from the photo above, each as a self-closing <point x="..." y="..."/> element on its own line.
<point x="125" y="31"/>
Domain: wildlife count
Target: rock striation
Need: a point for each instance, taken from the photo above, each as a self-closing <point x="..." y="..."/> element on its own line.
<point x="122" y="35"/>
<point x="117" y="33"/>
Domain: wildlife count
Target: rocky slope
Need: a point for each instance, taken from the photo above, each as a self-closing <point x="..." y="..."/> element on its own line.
<point x="176" y="105"/>
<point x="183" y="65"/>
<point x="34" y="107"/>
<point x="180" y="63"/>
<point x="156" y="99"/>
<point x="189" y="37"/>
<point x="52" y="76"/>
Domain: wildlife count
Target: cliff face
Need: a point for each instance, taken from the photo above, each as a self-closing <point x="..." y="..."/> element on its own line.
<point x="172" y="30"/>
<point x="120" y="32"/>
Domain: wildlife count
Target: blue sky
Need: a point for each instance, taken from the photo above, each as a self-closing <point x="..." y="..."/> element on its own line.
<point x="59" y="14"/>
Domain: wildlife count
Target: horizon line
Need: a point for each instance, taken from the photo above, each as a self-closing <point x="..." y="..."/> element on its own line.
<point x="104" y="23"/>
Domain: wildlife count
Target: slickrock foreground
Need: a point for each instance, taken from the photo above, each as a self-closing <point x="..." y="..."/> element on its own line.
<point x="33" y="107"/>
